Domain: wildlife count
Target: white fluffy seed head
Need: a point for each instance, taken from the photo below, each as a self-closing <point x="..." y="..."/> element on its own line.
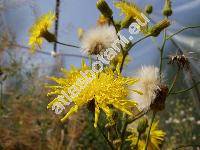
<point x="97" y="39"/>
<point x="148" y="84"/>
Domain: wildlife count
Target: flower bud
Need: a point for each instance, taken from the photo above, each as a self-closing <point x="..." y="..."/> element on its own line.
<point x="142" y="125"/>
<point x="104" y="8"/>
<point x="167" y="10"/>
<point x="158" y="27"/>
<point x="149" y="9"/>
<point x="48" y="36"/>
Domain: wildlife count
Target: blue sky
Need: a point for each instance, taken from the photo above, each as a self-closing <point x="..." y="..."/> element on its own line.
<point x="19" y="17"/>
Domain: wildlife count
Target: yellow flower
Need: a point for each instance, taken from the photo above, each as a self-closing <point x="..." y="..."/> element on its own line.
<point x="155" y="139"/>
<point x="106" y="89"/>
<point x="130" y="10"/>
<point x="39" y="30"/>
<point x="156" y="136"/>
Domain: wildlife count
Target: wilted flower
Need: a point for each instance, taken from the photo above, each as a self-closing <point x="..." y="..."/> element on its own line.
<point x="149" y="82"/>
<point x="180" y="60"/>
<point x="40" y="30"/>
<point x="103" y="90"/>
<point x="98" y="39"/>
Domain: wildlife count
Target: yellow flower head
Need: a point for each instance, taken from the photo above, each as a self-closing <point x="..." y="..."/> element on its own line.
<point x="105" y="89"/>
<point x="155" y="139"/>
<point x="130" y="10"/>
<point x="38" y="31"/>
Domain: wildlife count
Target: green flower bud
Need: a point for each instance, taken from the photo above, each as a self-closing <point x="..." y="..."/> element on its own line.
<point x="158" y="27"/>
<point x="167" y="10"/>
<point x="104" y="8"/>
<point x="142" y="125"/>
<point x="149" y="9"/>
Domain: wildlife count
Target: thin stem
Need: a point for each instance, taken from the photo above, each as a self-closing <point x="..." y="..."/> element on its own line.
<point x="185" y="90"/>
<point x="149" y="132"/>
<point x="189" y="27"/>
<point x="1" y="94"/>
<point x="190" y="145"/>
<point x="47" y="53"/>
<point x="123" y="132"/>
<point x="105" y="137"/>
<point x="161" y="53"/>
<point x="125" y="53"/>
<point x="174" y="81"/>
<point x="143" y="38"/>
<point x="70" y="45"/>
<point x="57" y="10"/>
<point x="138" y="138"/>
<point x="141" y="114"/>
<point x="126" y="123"/>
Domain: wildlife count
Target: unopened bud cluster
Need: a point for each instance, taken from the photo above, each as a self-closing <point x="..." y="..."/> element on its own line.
<point x="160" y="26"/>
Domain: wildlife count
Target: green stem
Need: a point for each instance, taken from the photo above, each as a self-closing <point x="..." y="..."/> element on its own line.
<point x="143" y="38"/>
<point x="1" y="95"/>
<point x="190" y="145"/>
<point x="190" y="27"/>
<point x="149" y="132"/>
<point x="185" y="90"/>
<point x="174" y="81"/>
<point x="138" y="138"/>
<point x="136" y="117"/>
<point x="105" y="137"/>
<point x="161" y="52"/>
<point x="70" y="45"/>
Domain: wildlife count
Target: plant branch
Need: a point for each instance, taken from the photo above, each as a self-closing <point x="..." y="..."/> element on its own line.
<point x="143" y="38"/>
<point x="149" y="132"/>
<point x="1" y="94"/>
<point x="189" y="27"/>
<point x="190" y="145"/>
<point x="105" y="137"/>
<point x="161" y="52"/>
<point x="48" y="53"/>
<point x="185" y="90"/>
<point x="174" y="81"/>
<point x="69" y="45"/>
